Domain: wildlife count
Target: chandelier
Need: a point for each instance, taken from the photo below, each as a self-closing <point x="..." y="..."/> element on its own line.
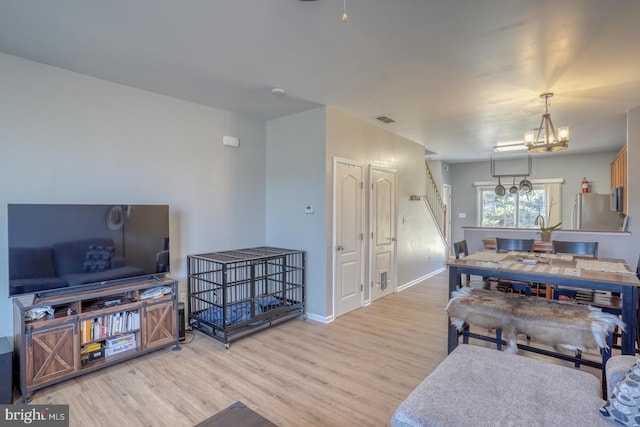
<point x="545" y="139"/>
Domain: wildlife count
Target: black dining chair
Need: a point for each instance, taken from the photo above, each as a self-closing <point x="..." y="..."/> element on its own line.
<point x="587" y="249"/>
<point x="575" y="248"/>
<point x="460" y="249"/>
<point x="520" y="245"/>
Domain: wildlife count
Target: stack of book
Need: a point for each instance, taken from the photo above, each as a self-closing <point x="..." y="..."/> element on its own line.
<point x="91" y="352"/>
<point x="107" y="325"/>
<point x="119" y="344"/>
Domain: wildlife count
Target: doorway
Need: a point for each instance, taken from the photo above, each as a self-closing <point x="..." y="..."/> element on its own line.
<point x="348" y="283"/>
<point x="382" y="214"/>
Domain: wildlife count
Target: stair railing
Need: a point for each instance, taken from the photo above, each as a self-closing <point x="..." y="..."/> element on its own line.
<point x="434" y="200"/>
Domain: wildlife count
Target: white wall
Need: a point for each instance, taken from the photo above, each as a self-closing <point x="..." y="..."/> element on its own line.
<point x="300" y="153"/>
<point x="420" y="249"/>
<point x="296" y="177"/>
<point x="440" y="171"/>
<point x="70" y="138"/>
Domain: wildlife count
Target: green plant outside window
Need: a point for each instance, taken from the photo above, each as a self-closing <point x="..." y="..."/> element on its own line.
<point x="517" y="210"/>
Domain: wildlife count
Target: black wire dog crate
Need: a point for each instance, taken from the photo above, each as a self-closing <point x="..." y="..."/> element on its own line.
<point x="233" y="293"/>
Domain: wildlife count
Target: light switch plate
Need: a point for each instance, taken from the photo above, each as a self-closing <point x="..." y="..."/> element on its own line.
<point x="308" y="209"/>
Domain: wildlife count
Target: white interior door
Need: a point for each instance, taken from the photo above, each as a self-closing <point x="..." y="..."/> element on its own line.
<point x="348" y="237"/>
<point x="382" y="208"/>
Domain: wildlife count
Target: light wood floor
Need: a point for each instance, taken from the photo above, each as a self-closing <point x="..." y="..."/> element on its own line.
<point x="354" y="371"/>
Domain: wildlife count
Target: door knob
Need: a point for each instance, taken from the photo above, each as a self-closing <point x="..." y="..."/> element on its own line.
<point x="340" y="248"/>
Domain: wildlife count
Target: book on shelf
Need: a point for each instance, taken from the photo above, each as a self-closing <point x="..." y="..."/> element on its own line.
<point x="85" y="331"/>
<point x="117" y="349"/>
<point x="112" y="342"/>
<point x="95" y="329"/>
<point x="91" y="347"/>
<point x="91" y="356"/>
<point x="105" y="326"/>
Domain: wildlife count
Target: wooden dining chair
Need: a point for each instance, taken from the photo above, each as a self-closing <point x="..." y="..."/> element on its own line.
<point x="576" y="248"/>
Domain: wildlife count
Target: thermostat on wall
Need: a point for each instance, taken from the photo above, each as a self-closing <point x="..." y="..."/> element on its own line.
<point x="231" y="141"/>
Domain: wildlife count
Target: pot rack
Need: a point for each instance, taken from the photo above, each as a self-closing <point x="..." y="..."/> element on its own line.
<point x="494" y="175"/>
<point x="525" y="184"/>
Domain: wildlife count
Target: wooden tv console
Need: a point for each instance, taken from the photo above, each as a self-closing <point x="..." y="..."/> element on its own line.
<point x="89" y="328"/>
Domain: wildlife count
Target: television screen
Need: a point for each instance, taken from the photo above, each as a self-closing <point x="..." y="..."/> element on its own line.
<point x="59" y="246"/>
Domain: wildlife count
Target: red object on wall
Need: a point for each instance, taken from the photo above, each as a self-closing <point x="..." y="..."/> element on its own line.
<point x="585" y="185"/>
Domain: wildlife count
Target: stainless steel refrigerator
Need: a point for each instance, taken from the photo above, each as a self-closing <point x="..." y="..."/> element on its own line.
<point x="593" y="212"/>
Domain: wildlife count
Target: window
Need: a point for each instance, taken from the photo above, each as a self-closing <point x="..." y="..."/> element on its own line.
<point x="517" y="210"/>
<point x="521" y="209"/>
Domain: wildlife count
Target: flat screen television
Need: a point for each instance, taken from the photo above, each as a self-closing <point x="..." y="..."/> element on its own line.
<point x="57" y="247"/>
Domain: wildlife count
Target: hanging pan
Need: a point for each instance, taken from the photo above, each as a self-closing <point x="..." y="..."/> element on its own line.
<point x="500" y="188"/>
<point x="514" y="188"/>
<point x="525" y="185"/>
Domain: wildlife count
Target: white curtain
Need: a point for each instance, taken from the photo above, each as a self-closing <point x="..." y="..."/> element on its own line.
<point x="553" y="198"/>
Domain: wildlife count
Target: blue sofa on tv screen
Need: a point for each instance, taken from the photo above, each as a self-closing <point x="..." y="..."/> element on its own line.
<point x="65" y="264"/>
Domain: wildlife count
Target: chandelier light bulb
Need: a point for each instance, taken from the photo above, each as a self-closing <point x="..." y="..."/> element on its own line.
<point x="345" y="17"/>
<point x="563" y="133"/>
<point x="529" y="136"/>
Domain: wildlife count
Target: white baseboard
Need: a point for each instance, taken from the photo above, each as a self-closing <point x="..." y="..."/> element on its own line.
<point x="329" y="319"/>
<point x="420" y="279"/>
<point x="319" y="318"/>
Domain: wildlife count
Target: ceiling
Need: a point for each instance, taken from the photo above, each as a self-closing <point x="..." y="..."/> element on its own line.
<point x="458" y="76"/>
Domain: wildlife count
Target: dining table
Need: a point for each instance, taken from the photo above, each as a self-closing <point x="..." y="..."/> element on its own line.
<point x="598" y="275"/>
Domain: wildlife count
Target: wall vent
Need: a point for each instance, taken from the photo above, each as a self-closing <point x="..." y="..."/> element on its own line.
<point x="385" y="119"/>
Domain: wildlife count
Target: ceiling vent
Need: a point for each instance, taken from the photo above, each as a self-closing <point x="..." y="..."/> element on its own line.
<point x="386" y="120"/>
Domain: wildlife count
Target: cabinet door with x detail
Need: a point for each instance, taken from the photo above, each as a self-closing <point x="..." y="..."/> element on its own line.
<point x="49" y="354"/>
<point x="159" y="325"/>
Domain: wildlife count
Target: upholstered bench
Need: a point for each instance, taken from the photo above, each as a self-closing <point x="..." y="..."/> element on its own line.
<point x="476" y="386"/>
